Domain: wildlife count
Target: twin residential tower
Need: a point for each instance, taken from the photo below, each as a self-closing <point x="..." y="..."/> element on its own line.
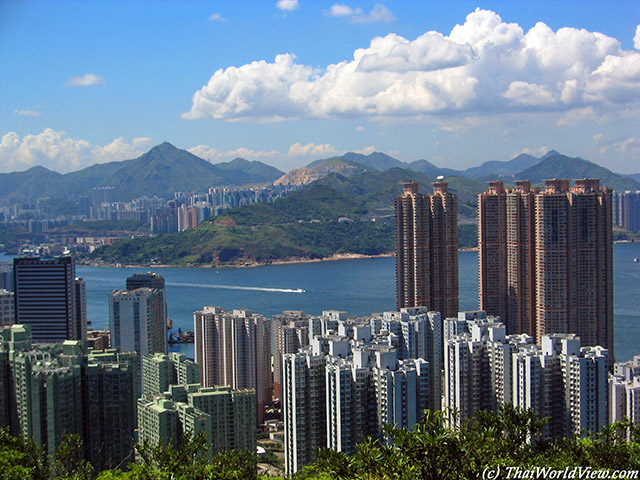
<point x="546" y="259"/>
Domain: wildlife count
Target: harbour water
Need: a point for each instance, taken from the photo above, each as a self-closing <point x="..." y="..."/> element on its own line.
<point x="358" y="286"/>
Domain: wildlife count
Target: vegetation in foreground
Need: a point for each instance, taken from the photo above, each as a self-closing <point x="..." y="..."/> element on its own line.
<point x="431" y="450"/>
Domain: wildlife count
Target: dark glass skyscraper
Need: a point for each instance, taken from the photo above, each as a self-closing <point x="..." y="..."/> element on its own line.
<point x="45" y="298"/>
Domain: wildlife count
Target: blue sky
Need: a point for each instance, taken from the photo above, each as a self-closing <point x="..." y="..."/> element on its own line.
<point x="286" y="82"/>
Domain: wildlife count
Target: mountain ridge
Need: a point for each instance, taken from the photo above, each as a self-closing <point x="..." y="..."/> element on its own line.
<point x="161" y="171"/>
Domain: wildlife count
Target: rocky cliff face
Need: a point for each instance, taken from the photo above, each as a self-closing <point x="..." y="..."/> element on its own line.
<point x="306" y="175"/>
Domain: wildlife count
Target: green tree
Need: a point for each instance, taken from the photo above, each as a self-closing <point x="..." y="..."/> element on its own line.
<point x="20" y="458"/>
<point x="69" y="461"/>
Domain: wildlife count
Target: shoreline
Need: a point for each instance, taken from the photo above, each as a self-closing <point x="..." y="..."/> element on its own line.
<point x="284" y="261"/>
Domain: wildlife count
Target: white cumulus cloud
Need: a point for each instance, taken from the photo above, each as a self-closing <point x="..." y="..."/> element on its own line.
<point x="620" y="146"/>
<point x="86" y="80"/>
<point x="636" y="38"/>
<point x="311" y="149"/>
<point x="342" y="10"/>
<point x="54" y="150"/>
<point x="367" y="150"/>
<point x="379" y="13"/>
<point x="215" y="156"/>
<point x="216" y="17"/>
<point x="28" y="113"/>
<point x="288" y="5"/>
<point x="482" y="66"/>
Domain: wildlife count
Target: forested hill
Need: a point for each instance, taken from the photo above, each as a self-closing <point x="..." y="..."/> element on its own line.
<point x="335" y="215"/>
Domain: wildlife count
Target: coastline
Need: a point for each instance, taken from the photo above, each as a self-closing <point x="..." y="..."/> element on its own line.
<point x="284" y="261"/>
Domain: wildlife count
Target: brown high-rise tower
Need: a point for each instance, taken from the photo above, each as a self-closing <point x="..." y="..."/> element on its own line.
<point x="557" y="247"/>
<point x="427" y="249"/>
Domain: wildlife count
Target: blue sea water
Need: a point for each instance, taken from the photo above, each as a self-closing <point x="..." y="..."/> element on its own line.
<point x="358" y="286"/>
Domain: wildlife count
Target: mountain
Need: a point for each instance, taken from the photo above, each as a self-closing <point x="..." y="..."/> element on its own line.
<point x="495" y="168"/>
<point x="161" y="171"/>
<point x="378" y="160"/>
<point x="255" y="171"/>
<point x="635" y="176"/>
<point x="561" y="166"/>
<point x="318" y="169"/>
<point x="27" y="183"/>
<point x="432" y="170"/>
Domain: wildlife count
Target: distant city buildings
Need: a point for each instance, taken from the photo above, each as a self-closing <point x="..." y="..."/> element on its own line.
<point x="626" y="210"/>
<point x="49" y="298"/>
<point x="624" y="392"/>
<point x="234" y="348"/>
<point x="7" y="308"/>
<point x="427" y="249"/>
<point x="546" y="259"/>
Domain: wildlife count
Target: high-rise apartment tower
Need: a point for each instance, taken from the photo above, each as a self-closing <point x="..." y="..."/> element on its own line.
<point x="427" y="249"/>
<point x="546" y="259"/>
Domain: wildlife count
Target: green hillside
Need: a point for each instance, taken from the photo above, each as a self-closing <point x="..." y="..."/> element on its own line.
<point x="334" y="215"/>
<point x="561" y="166"/>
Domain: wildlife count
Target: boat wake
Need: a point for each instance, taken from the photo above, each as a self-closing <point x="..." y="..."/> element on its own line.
<point x="237" y="287"/>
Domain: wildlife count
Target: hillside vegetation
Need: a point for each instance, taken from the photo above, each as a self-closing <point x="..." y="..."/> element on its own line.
<point x="489" y="445"/>
<point x="335" y="215"/>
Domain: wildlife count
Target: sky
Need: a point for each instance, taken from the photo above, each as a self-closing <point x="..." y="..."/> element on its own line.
<point x="289" y="81"/>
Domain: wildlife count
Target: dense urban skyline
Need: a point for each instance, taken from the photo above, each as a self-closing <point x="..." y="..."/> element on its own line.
<point x="290" y="81"/>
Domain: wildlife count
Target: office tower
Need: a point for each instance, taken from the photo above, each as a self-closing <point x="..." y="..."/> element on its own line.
<point x="55" y="389"/>
<point x="234" y="348"/>
<point x="303" y="405"/>
<point x="427" y="249"/>
<point x="487" y="368"/>
<point x="145" y="280"/>
<point x="7" y="308"/>
<point x="148" y="280"/>
<point x="159" y="371"/>
<point x="138" y="321"/>
<point x="558" y="259"/>
<point x="290" y="333"/>
<point x="45" y="298"/>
